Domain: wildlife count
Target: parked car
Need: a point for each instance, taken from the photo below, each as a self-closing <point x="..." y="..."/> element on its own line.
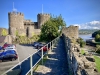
<point x="5" y="45"/>
<point x="39" y="45"/>
<point x="8" y="55"/>
<point x="45" y="48"/>
<point x="0" y="48"/>
<point x="10" y="47"/>
<point x="35" y="44"/>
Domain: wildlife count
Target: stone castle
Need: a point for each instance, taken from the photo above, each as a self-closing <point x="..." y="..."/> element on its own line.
<point x="17" y="24"/>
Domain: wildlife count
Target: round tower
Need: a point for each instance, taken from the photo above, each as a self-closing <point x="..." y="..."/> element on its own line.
<point x="16" y="20"/>
<point x="42" y="18"/>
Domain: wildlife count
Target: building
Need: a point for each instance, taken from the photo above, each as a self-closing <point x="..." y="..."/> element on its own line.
<point x="17" y="24"/>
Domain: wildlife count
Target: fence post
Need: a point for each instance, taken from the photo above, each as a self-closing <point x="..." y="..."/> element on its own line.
<point x="47" y="51"/>
<point x="50" y="46"/>
<point x="19" y="62"/>
<point x="31" y="64"/>
<point x="42" y="55"/>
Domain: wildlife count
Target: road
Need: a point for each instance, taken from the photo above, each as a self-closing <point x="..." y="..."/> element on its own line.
<point x="23" y="52"/>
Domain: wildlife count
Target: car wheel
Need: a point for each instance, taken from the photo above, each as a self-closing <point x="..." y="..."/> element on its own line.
<point x="13" y="59"/>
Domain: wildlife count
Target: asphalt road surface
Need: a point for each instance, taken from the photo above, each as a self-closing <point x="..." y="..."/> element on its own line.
<point x="23" y="52"/>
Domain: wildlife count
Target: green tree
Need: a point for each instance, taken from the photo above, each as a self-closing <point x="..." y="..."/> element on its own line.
<point x="97" y="49"/>
<point x="4" y="32"/>
<point x="49" y="29"/>
<point x="81" y="42"/>
<point x="97" y="38"/>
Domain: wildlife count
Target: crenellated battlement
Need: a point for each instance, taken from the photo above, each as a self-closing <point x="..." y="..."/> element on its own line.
<point x="28" y="20"/>
<point x="44" y="14"/>
<point x="16" y="13"/>
<point x="71" y="31"/>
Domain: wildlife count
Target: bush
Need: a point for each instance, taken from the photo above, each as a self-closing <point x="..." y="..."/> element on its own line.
<point x="82" y="52"/>
<point x="81" y="42"/>
<point x="97" y="38"/>
<point x="95" y="33"/>
<point x="97" y="48"/>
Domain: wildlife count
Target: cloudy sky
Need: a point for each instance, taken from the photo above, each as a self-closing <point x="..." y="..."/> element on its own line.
<point x="89" y="25"/>
<point x="84" y="13"/>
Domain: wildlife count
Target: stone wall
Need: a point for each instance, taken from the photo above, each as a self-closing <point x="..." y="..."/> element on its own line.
<point x="16" y="19"/>
<point x="8" y="39"/>
<point x="25" y="27"/>
<point x="79" y="64"/>
<point x="71" y="31"/>
<point x="42" y="18"/>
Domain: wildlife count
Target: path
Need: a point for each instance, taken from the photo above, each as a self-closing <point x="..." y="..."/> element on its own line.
<point x="56" y="63"/>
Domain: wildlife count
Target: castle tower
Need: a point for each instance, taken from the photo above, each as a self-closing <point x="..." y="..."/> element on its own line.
<point x="42" y="18"/>
<point x="16" y="21"/>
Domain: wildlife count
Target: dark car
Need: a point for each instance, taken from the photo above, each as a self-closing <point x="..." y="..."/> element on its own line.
<point x="5" y="45"/>
<point x="39" y="45"/>
<point x="35" y="44"/>
<point x="0" y="48"/>
<point x="8" y="55"/>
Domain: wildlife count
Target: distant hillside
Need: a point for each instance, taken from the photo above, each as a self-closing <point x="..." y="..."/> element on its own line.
<point x="87" y="31"/>
<point x="2" y="29"/>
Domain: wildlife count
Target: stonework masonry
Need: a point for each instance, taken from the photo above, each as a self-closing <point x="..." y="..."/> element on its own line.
<point x="71" y="31"/>
<point x="23" y="26"/>
<point x="79" y="64"/>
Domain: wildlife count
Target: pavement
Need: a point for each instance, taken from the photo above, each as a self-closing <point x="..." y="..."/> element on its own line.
<point x="23" y="52"/>
<point x="56" y="64"/>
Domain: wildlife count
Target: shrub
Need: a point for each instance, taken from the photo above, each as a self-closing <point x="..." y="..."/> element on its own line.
<point x="97" y="48"/>
<point x="81" y="42"/>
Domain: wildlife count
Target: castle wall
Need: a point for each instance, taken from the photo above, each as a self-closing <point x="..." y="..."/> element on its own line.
<point x="42" y="18"/>
<point x="37" y="31"/>
<point x="22" y="32"/>
<point x="12" y="31"/>
<point x="16" y="20"/>
<point x="71" y="31"/>
<point x="30" y="31"/>
<point x="25" y="27"/>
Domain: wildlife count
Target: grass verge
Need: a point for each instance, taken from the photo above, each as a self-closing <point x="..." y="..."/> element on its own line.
<point x="97" y="61"/>
<point x="82" y="52"/>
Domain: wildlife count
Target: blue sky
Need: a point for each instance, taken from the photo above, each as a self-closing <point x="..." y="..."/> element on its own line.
<point x="84" y="13"/>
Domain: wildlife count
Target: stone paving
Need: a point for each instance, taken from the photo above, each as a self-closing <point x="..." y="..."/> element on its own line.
<point x="56" y="64"/>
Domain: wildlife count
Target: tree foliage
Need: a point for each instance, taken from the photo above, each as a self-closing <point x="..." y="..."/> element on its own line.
<point x="95" y="33"/>
<point x="4" y="32"/>
<point x="81" y="42"/>
<point x="97" y="38"/>
<point x="49" y="29"/>
<point x="97" y="48"/>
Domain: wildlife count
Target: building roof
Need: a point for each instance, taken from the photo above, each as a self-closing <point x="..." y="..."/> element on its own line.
<point x="2" y="38"/>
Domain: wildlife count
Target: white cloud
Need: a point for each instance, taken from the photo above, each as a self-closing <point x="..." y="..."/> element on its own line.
<point x="89" y="25"/>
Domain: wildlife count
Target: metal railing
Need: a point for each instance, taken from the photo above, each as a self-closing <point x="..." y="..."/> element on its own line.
<point x="49" y="47"/>
<point x="41" y="53"/>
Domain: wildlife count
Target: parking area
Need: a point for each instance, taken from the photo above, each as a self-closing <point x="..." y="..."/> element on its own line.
<point x="23" y="52"/>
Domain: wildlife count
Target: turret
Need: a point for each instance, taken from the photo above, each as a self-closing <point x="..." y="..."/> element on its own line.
<point x="15" y="21"/>
<point x="42" y="18"/>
